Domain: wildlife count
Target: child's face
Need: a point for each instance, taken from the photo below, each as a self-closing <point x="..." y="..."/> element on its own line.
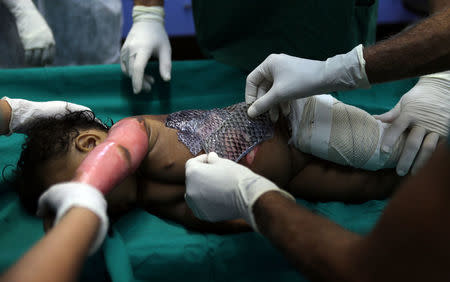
<point x="63" y="168"/>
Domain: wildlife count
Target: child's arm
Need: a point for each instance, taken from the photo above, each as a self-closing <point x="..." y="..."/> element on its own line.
<point x="326" y="181"/>
<point x="167" y="201"/>
<point x="340" y="133"/>
<point x="117" y="157"/>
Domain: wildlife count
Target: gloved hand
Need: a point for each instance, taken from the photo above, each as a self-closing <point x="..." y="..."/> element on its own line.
<point x="64" y="196"/>
<point x="426" y="110"/>
<point x="281" y="78"/>
<point x="147" y="37"/>
<point x="219" y="189"/>
<point x="23" y="112"/>
<point x="36" y="36"/>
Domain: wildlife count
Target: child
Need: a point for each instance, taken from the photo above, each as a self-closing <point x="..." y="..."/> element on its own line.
<point x="56" y="146"/>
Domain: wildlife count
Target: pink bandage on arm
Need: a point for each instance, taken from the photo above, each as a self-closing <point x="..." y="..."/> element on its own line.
<point x="117" y="157"/>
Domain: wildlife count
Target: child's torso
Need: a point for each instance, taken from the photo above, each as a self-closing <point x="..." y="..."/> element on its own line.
<point x="167" y="156"/>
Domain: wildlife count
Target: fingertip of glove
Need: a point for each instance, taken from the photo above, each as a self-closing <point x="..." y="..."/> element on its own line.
<point x="166" y="76"/>
<point x="401" y="172"/>
<point x="212" y="156"/>
<point x="386" y="149"/>
<point x="136" y="90"/>
<point x="252" y="112"/>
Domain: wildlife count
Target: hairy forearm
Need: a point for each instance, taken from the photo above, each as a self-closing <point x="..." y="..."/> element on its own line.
<point x="313" y="244"/>
<point x="149" y="3"/>
<point x="5" y="117"/>
<point x="410" y="240"/>
<point x="437" y="5"/>
<point x="60" y="254"/>
<point x="418" y="50"/>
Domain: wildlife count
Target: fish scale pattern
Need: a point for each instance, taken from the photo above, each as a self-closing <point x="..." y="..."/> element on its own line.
<point x="227" y="131"/>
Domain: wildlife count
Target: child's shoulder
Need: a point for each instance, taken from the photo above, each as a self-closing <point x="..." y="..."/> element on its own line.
<point x="154" y="118"/>
<point x="151" y="121"/>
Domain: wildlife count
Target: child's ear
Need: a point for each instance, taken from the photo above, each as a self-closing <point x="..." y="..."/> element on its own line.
<point x="85" y="142"/>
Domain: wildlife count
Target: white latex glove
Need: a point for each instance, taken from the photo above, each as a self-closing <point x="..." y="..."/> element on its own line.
<point x="34" y="32"/>
<point x="147" y="37"/>
<point x="281" y="78"/>
<point x="23" y="112"/>
<point x="426" y="110"/>
<point x="219" y="189"/>
<point x="64" y="196"/>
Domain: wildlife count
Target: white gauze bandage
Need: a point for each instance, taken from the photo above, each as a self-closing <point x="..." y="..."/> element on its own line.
<point x="331" y="130"/>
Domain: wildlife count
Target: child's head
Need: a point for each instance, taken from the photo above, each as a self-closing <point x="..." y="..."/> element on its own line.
<point x="52" y="152"/>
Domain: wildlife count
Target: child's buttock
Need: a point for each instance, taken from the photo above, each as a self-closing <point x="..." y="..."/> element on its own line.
<point x="274" y="158"/>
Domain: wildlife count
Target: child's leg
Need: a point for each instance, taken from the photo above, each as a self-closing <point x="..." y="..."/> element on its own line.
<point x="322" y="180"/>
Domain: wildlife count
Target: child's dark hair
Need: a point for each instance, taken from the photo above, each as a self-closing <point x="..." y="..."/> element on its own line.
<point x="46" y="139"/>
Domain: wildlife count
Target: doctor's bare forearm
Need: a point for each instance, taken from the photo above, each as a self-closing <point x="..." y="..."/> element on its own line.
<point x="437" y="5"/>
<point x="5" y="116"/>
<point x="313" y="244"/>
<point x="410" y="231"/>
<point x="149" y="3"/>
<point x="421" y="49"/>
<point x="60" y="254"/>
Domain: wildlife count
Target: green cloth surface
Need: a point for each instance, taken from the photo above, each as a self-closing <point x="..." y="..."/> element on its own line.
<point x="243" y="33"/>
<point x="140" y="246"/>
